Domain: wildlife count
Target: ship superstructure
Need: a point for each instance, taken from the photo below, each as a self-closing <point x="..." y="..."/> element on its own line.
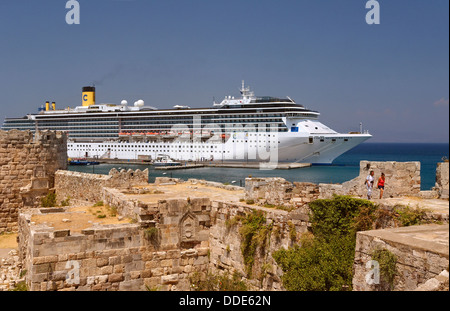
<point x="248" y="128"/>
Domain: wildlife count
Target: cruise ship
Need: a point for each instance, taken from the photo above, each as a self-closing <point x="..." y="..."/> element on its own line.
<point x="245" y="128"/>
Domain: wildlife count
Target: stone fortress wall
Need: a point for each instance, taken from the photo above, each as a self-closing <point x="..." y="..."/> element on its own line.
<point x="442" y="183"/>
<point x="418" y="259"/>
<point x="192" y="236"/>
<point x="169" y="241"/>
<point x="27" y="167"/>
<point x="84" y="187"/>
<point x="402" y="179"/>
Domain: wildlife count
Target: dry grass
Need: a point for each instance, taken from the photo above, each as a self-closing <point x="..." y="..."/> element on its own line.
<point x="8" y="240"/>
<point x="79" y="218"/>
<point x="184" y="190"/>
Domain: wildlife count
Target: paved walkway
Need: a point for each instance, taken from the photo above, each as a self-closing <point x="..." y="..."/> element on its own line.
<point x="434" y="205"/>
<point x="432" y="238"/>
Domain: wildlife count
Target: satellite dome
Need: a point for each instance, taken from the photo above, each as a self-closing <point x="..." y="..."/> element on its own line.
<point x="124" y="102"/>
<point x="139" y="103"/>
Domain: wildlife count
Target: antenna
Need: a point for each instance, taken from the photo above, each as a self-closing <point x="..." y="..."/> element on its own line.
<point x="245" y="91"/>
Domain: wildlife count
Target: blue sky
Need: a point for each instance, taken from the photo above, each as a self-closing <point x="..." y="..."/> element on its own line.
<point x="392" y="77"/>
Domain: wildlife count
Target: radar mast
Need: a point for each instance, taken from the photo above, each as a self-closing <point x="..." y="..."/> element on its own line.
<point x="245" y="91"/>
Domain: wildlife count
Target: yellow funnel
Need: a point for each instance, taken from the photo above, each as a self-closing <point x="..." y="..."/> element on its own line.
<point x="88" y="96"/>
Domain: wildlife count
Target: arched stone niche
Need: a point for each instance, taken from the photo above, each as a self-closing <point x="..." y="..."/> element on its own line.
<point x="189" y="225"/>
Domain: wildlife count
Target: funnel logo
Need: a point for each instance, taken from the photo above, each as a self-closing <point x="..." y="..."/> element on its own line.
<point x="73" y="16"/>
<point x="85" y="97"/>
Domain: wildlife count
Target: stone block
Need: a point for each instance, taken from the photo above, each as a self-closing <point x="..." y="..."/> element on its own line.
<point x="39" y="277"/>
<point x="135" y="275"/>
<point x="59" y="276"/>
<point x="102" y="262"/>
<point x="106" y="270"/>
<point x="115" y="260"/>
<point x="153" y="282"/>
<point x="157" y="272"/>
<point x="169" y="279"/>
<point x="146" y="274"/>
<point x="119" y="268"/>
<point x="43" y="268"/>
<point x="61" y="233"/>
<point x="115" y="277"/>
<point x="102" y="279"/>
<point x="166" y="263"/>
<point x="132" y="285"/>
<point x="200" y="260"/>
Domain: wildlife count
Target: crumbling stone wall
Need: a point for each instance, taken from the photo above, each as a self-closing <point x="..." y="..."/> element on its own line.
<point x="27" y="167"/>
<point x="104" y="258"/>
<point x="126" y="207"/>
<point x="121" y="256"/>
<point x="442" y="176"/>
<point x="10" y="267"/>
<point x="279" y="192"/>
<point x="89" y="187"/>
<point x="402" y="179"/>
<point x="226" y="242"/>
<point x="169" y="241"/>
<point x="417" y="259"/>
<point x="193" y="237"/>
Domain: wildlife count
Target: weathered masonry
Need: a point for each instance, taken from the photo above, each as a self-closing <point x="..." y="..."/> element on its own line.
<point x="169" y="231"/>
<point x="163" y="245"/>
<point x="121" y="233"/>
<point x="27" y="167"/>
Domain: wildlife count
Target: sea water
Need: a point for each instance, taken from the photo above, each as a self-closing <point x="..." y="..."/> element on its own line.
<point x="344" y="168"/>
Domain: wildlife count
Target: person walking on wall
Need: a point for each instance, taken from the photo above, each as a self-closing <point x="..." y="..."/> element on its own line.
<point x="369" y="184"/>
<point x="380" y="184"/>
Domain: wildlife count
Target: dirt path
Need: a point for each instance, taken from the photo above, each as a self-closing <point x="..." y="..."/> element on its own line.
<point x="7" y="243"/>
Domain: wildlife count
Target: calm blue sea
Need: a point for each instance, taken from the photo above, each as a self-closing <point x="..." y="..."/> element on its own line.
<point x="344" y="168"/>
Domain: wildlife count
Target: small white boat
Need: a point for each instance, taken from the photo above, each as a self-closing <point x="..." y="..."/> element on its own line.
<point x="165" y="160"/>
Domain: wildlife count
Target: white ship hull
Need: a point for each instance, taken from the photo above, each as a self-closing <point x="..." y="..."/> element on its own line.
<point x="270" y="147"/>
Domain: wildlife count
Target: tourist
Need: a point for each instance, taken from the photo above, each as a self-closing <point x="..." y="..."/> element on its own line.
<point x="380" y="184"/>
<point x="369" y="184"/>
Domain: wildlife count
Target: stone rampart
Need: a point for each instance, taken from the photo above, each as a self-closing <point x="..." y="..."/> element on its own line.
<point x="157" y="253"/>
<point x="126" y="207"/>
<point x="442" y="176"/>
<point x="27" y="168"/>
<point x="279" y="192"/>
<point x="283" y="229"/>
<point x="419" y="256"/>
<point x="89" y="187"/>
<point x="213" y="184"/>
<point x="402" y="179"/>
<point x="166" y="244"/>
<point x="170" y="240"/>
